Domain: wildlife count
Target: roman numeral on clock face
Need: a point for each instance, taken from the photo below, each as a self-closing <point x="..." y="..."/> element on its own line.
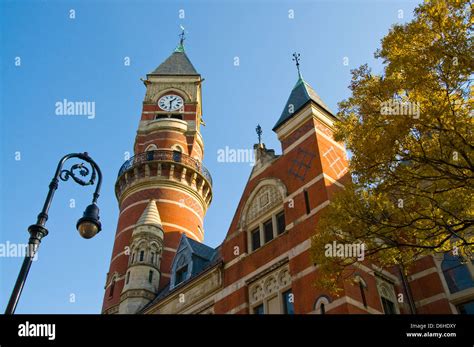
<point x="170" y="102"/>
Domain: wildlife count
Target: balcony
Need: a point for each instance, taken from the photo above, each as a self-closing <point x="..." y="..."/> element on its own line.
<point x="168" y="164"/>
<point x="165" y="155"/>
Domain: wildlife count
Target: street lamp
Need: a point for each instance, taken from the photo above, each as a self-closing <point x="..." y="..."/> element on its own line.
<point x="88" y="226"/>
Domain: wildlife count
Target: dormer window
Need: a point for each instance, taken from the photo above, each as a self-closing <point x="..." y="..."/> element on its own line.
<point x="180" y="275"/>
<point x="191" y="257"/>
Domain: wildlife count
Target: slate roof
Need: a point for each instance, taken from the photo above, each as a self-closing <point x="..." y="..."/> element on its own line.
<point x="166" y="289"/>
<point x="301" y="94"/>
<point x="211" y="256"/>
<point x="202" y="250"/>
<point x="177" y="63"/>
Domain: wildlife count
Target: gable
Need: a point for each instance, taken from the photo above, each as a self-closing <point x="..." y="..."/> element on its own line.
<point x="267" y="195"/>
<point x="192" y="256"/>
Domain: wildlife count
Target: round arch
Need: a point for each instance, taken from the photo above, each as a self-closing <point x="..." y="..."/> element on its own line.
<point x="321" y="304"/>
<point x="180" y="92"/>
<point x="274" y="182"/>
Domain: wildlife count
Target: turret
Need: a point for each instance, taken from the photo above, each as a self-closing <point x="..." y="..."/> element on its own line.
<point x="143" y="273"/>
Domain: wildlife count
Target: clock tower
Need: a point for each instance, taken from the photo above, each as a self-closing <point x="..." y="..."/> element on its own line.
<point x="163" y="191"/>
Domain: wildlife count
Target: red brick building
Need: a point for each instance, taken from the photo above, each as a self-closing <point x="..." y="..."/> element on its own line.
<point x="159" y="263"/>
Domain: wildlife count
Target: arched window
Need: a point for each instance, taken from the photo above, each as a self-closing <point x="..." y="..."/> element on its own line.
<point x="263" y="214"/>
<point x="362" y="288"/>
<point x="177" y="153"/>
<point x="142" y="255"/>
<point x="321" y="304"/>
<point x="150" y="152"/>
<point x="178" y="148"/>
<point x="456" y="273"/>
<point x="151" y="147"/>
<point x="387" y="297"/>
<point x="150" y="276"/>
<point x="112" y="287"/>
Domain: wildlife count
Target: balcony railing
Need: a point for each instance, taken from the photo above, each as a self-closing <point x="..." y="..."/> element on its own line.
<point x="165" y="155"/>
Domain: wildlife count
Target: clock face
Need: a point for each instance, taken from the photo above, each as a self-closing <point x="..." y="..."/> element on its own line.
<point x="170" y="102"/>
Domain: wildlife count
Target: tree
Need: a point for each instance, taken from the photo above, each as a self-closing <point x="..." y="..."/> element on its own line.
<point x="411" y="137"/>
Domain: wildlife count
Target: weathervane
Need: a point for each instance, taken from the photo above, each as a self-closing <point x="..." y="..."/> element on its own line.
<point x="259" y="131"/>
<point x="182" y="36"/>
<point x="296" y="58"/>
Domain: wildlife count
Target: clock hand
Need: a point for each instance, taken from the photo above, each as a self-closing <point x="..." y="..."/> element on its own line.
<point x="171" y="102"/>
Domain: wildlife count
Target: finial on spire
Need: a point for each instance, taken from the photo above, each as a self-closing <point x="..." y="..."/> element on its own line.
<point x="296" y="58"/>
<point x="259" y="132"/>
<point x="182" y="37"/>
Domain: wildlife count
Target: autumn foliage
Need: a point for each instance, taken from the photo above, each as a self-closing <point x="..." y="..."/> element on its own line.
<point x="410" y="135"/>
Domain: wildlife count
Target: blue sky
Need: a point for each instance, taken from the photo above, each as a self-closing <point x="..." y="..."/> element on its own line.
<point x="82" y="59"/>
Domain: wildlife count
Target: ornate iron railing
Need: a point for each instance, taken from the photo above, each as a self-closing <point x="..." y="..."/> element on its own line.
<point x="165" y="155"/>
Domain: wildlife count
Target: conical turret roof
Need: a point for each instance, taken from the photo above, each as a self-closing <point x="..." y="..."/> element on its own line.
<point x="150" y="215"/>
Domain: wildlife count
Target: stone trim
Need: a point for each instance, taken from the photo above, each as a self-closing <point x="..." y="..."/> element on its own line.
<point x="266" y="271"/>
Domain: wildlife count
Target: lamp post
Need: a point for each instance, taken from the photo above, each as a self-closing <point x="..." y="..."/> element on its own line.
<point x="88" y="226"/>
